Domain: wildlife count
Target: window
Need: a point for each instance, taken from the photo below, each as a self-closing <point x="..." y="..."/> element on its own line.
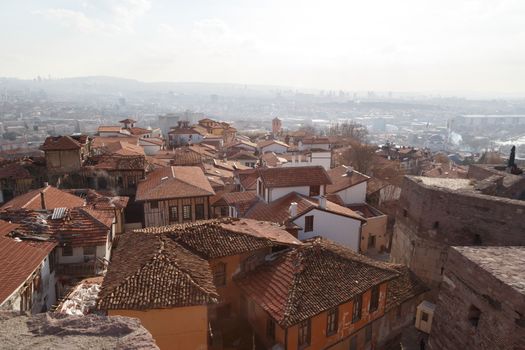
<point x="371" y="241"/>
<point x="368" y="334"/>
<point x="186" y="212"/>
<point x="356" y="312"/>
<point x="353" y="343"/>
<point x="219" y="275"/>
<point x="270" y="329"/>
<point x="304" y="333"/>
<point x="473" y="315"/>
<point x="199" y="211"/>
<point x="477" y="239"/>
<point x="374" y="299"/>
<point x="67" y="250"/>
<point x="331" y="321"/>
<point x="315" y="191"/>
<point x="174" y="214"/>
<point x="308" y="223"/>
<point x="52" y="261"/>
<point x="102" y="183"/>
<point x="424" y="316"/>
<point x="154" y="205"/>
<point x="120" y="181"/>
<point x="435" y="225"/>
<point x="405" y="213"/>
<point x="131" y="182"/>
<point x="224" y="211"/>
<point x="89" y="250"/>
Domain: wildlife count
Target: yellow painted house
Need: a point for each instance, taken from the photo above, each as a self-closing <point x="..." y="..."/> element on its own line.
<point x="316" y="296"/>
<point x="155" y="279"/>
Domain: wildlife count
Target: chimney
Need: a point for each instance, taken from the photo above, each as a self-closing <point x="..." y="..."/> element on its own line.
<point x="42" y="200"/>
<point x="349" y="170"/>
<point x="293" y="209"/>
<point x="46" y="184"/>
<point x="322" y="202"/>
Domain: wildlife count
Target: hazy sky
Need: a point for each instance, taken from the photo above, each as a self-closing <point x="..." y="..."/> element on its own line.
<point x="414" y="45"/>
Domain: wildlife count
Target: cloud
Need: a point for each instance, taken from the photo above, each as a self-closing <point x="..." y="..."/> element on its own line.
<point x="122" y="16"/>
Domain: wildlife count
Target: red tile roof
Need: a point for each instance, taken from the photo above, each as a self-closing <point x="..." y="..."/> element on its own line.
<point x="242" y="201"/>
<point x="109" y="128"/>
<point x="403" y="288"/>
<point x="247" y="178"/>
<point x="152" y="271"/>
<point x="79" y="227"/>
<point x="18" y="259"/>
<point x="344" y="177"/>
<point x="266" y="143"/>
<point x="14" y="170"/>
<point x="138" y="131"/>
<point x="226" y="236"/>
<point x="61" y="143"/>
<point x="294" y="176"/>
<point x="306" y="280"/>
<point x="174" y="182"/>
<point x="53" y="198"/>
<point x="122" y="148"/>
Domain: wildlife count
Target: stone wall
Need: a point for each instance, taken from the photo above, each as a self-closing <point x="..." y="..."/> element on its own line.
<point x="501" y="323"/>
<point x="431" y="219"/>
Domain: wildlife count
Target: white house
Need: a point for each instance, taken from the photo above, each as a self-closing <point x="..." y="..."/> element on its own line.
<point x="314" y="143"/>
<point x="349" y="184"/>
<point x="185" y="134"/>
<point x="308" y="217"/>
<point x="274" y="183"/>
<point x="151" y="146"/>
<point x="272" y="146"/>
<point x="309" y="158"/>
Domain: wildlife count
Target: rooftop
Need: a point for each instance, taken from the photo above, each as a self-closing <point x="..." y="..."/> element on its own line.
<point x="18" y="259"/>
<point x="152" y="271"/>
<point x="63" y="143"/>
<point x="504" y="263"/>
<point x="344" y="177"/>
<point x="174" y="182"/>
<point x="445" y="183"/>
<point x="53" y="198"/>
<point x="294" y="176"/>
<point x="304" y="281"/>
<point x="226" y="236"/>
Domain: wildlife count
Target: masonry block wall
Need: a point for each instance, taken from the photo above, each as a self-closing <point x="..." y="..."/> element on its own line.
<point x="476" y="310"/>
<point x="431" y="219"/>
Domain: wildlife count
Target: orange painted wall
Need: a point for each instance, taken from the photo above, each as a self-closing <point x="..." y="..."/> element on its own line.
<point x="230" y="293"/>
<point x="175" y="328"/>
<point x="340" y="340"/>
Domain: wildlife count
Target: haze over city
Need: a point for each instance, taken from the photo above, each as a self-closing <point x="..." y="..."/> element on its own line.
<point x="450" y="47"/>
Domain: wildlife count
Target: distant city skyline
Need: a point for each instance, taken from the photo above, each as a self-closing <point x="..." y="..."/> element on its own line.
<point x="433" y="46"/>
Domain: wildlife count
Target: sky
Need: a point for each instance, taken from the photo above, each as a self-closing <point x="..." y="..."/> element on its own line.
<point x="379" y="45"/>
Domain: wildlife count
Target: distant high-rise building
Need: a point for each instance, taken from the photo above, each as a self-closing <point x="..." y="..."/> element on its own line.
<point x="276" y="125"/>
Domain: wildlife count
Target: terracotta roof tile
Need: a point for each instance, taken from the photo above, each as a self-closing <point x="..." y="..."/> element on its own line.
<point x="14" y="170"/>
<point x="344" y="177"/>
<point x="53" y="198"/>
<point x="18" y="259"/>
<point x="242" y="201"/>
<point x="150" y="271"/>
<point x="294" y="176"/>
<point x="403" y="288"/>
<point x="226" y="236"/>
<point x="174" y="182"/>
<point x="61" y="143"/>
<point x="306" y="280"/>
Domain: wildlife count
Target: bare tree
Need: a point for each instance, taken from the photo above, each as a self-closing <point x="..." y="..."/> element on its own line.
<point x="350" y="129"/>
<point x="360" y="156"/>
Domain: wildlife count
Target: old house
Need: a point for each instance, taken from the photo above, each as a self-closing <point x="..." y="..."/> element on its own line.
<point x="273" y="183"/>
<point x="175" y="195"/>
<point x="167" y="287"/>
<point x="233" y="204"/>
<point x="347" y="183"/>
<point x="27" y="272"/>
<point x="374" y="237"/>
<point x="84" y="237"/>
<point x="48" y="197"/>
<point x="307" y="217"/>
<point x="481" y="303"/>
<point x="184" y="134"/>
<point x="275" y="146"/>
<point x="318" y="295"/>
<point x="246" y="158"/>
<point x="15" y="180"/>
<point x="66" y="154"/>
